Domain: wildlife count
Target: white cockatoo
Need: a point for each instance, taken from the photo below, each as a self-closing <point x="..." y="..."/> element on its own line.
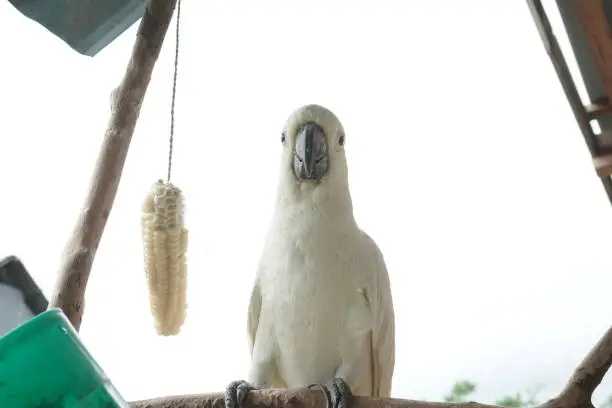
<point x="321" y="310"/>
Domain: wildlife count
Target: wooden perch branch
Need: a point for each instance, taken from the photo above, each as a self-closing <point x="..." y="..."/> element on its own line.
<point x="292" y="398"/>
<point x="576" y="394"/>
<point x="81" y="249"/>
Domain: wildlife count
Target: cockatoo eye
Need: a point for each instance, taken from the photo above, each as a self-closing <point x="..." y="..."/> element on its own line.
<point x="341" y="140"/>
<point x="283" y="137"/>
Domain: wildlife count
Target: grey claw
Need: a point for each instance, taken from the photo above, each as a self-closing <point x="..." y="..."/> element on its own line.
<point x="328" y="399"/>
<point x="340" y="392"/>
<point x="236" y="392"/>
<point x="337" y="393"/>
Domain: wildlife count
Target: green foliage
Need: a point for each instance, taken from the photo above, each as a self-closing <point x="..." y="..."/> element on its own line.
<point x="462" y="390"/>
<point x="516" y="401"/>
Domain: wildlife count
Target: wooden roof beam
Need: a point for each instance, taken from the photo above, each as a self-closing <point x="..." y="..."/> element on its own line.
<point x="557" y="59"/>
<point x="603" y="165"/>
<point x="599" y="108"/>
<point x="592" y="16"/>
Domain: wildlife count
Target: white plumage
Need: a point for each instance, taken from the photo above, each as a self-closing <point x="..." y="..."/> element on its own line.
<point x="321" y="304"/>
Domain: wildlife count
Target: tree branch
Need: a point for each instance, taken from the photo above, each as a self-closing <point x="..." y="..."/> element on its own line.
<point x="591" y="371"/>
<point x="81" y="249"/>
<point x="576" y="394"/>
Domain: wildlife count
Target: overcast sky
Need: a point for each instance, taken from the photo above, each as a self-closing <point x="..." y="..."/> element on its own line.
<point x="466" y="165"/>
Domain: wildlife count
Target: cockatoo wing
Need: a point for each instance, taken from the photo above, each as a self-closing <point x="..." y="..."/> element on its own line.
<point x="383" y="330"/>
<point x="253" y="317"/>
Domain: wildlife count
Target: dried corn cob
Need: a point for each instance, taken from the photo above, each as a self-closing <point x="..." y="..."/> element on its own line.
<point x="165" y="256"/>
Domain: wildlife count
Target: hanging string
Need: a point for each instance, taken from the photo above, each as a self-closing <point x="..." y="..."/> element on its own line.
<point x="176" y="57"/>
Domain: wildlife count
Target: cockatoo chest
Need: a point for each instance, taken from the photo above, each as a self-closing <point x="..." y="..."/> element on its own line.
<point x="313" y="293"/>
<point x="313" y="269"/>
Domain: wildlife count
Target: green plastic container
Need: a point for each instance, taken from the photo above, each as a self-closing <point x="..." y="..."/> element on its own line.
<point x="44" y="364"/>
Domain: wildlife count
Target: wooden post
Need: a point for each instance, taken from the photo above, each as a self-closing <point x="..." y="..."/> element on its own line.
<point x="81" y="248"/>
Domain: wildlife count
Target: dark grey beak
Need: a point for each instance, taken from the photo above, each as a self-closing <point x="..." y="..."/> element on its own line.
<point x="310" y="160"/>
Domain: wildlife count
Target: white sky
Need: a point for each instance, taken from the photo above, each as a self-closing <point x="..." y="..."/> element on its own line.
<point x="466" y="166"/>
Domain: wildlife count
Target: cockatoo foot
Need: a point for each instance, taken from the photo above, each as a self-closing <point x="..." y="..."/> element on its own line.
<point x="337" y="393"/>
<point x="236" y="392"/>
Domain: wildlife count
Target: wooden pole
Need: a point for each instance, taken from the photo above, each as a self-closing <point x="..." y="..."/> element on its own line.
<point x="81" y="248"/>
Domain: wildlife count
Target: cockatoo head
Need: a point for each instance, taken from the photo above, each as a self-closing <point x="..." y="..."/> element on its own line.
<point x="313" y="147"/>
